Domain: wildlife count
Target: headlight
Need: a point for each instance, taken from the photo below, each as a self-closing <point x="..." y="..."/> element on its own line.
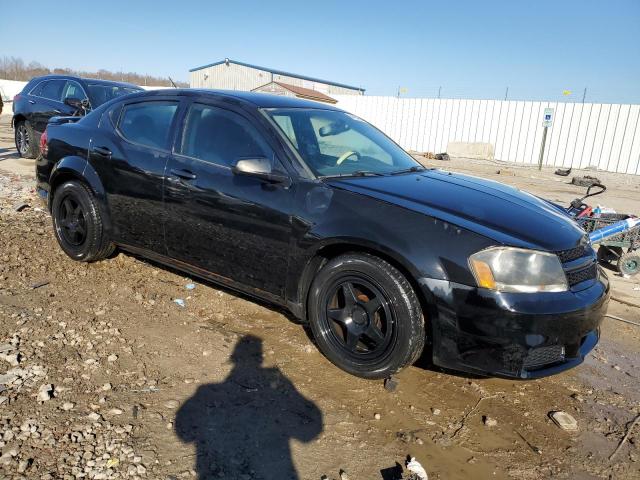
<point x="508" y="269"/>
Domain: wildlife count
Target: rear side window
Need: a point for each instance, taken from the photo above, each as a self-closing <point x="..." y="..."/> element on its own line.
<point x="148" y="123"/>
<point x="220" y="136"/>
<point x="52" y="90"/>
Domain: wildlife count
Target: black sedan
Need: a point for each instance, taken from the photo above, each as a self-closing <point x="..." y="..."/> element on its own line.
<point x="313" y="209"/>
<point x="50" y="95"/>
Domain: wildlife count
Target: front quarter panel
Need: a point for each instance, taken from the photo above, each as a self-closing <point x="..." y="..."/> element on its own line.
<point x="424" y="246"/>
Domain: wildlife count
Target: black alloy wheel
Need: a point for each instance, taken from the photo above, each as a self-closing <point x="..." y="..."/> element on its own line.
<point x="358" y="318"/>
<point x="365" y="316"/>
<point x="72" y="221"/>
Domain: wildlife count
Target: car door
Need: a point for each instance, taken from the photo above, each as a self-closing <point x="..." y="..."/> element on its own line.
<point x="235" y="226"/>
<point x="46" y="101"/>
<point x="130" y="157"/>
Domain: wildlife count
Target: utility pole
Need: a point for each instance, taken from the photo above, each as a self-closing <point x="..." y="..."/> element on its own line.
<point x="584" y="94"/>
<point x="506" y="93"/>
<point x="439" y="91"/>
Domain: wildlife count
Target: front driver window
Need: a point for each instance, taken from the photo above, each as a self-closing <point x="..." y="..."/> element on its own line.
<point x="73" y="90"/>
<point x="219" y="136"/>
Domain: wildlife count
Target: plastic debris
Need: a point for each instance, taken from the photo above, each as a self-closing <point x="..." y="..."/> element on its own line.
<point x="564" y="421"/>
<point x="190" y="286"/>
<point x="563" y="172"/>
<point x="418" y="471"/>
<point x="179" y="302"/>
<point x="39" y="284"/>
<point x="18" y="207"/>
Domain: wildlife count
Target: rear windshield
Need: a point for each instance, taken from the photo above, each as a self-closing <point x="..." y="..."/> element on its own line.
<point x="102" y="93"/>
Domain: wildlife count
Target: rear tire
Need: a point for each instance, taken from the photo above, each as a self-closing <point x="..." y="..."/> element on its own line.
<point x="25" y="138"/>
<point x="77" y="223"/>
<point x="365" y="316"/>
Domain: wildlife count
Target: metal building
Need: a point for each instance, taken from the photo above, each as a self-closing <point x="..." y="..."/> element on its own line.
<point x="232" y="75"/>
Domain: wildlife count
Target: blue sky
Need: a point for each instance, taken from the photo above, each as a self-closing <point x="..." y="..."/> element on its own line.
<point x="472" y="49"/>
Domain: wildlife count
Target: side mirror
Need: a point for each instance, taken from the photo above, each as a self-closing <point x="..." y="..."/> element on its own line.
<point x="259" y="167"/>
<point x="74" y="103"/>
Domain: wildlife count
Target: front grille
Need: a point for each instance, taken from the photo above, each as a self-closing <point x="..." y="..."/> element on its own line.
<point x="573" y="253"/>
<point x="587" y="273"/>
<point x="543" y="356"/>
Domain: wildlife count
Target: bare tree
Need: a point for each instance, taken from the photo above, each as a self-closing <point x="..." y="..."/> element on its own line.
<point x="14" y="68"/>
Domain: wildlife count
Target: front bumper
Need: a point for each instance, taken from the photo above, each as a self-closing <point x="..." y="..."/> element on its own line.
<point x="514" y="335"/>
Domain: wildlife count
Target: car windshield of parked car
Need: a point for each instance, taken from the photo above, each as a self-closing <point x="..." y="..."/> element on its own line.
<point x="101" y="93"/>
<point x="335" y="143"/>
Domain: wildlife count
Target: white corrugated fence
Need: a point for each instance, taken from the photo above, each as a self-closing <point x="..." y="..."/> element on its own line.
<point x="606" y="136"/>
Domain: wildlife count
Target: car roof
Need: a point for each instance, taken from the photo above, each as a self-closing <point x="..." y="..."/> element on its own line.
<point x="258" y="100"/>
<point x="86" y="80"/>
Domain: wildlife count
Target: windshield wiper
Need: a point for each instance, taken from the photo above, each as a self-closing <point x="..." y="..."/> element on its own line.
<point x="415" y="168"/>
<point x="357" y="173"/>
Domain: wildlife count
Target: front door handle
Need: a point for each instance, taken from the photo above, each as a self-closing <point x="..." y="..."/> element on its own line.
<point x="32" y="102"/>
<point x="102" y="151"/>
<point x="184" y="174"/>
<point x="57" y="111"/>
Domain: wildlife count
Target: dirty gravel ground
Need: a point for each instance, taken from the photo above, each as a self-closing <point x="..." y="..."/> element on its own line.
<point x="102" y="375"/>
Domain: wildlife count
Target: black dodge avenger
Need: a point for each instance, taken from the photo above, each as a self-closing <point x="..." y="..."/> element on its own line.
<point x="313" y="209"/>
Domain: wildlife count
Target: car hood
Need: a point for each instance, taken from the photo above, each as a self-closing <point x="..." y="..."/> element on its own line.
<point x="503" y="213"/>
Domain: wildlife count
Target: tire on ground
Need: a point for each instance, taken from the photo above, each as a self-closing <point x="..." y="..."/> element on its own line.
<point x="33" y="149"/>
<point x="410" y="337"/>
<point x="96" y="245"/>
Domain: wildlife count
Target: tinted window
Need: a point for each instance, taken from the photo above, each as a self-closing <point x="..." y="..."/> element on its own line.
<point x="102" y="93"/>
<point x="219" y="136"/>
<point x="52" y="89"/>
<point x="148" y="123"/>
<point x="73" y="90"/>
<point x="37" y="90"/>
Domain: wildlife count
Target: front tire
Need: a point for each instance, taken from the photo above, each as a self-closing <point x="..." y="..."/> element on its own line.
<point x="365" y="316"/>
<point x="77" y="223"/>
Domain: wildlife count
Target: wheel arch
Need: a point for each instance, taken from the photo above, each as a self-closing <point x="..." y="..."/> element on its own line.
<point x="77" y="168"/>
<point x="334" y="248"/>
<point x="17" y="118"/>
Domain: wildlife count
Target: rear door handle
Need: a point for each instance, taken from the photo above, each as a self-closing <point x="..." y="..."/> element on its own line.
<point x="32" y="102"/>
<point x="102" y="151"/>
<point x="184" y="174"/>
<point x="57" y="111"/>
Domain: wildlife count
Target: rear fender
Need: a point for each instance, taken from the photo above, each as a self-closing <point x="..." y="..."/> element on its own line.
<point x="77" y="168"/>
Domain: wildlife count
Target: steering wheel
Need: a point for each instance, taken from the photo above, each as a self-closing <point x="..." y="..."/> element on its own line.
<point x="346" y="155"/>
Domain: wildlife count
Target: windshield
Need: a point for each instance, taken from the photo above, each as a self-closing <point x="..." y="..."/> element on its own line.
<point x="334" y="143"/>
<point x="101" y="93"/>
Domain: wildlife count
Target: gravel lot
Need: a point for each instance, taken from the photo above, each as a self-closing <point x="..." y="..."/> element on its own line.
<point x="103" y="375"/>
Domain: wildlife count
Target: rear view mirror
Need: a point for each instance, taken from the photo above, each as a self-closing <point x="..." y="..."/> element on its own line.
<point x="334" y="128"/>
<point x="259" y="167"/>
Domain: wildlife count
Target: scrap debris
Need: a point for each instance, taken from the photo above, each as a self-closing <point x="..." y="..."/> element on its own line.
<point x="564" y="421"/>
<point x="563" y="172"/>
<point x="585" y="181"/>
<point x="625" y="438"/>
<point x="417" y="471"/>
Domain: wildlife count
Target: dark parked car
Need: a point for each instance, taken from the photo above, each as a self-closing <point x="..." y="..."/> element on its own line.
<point x="313" y="209"/>
<point x="51" y="95"/>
